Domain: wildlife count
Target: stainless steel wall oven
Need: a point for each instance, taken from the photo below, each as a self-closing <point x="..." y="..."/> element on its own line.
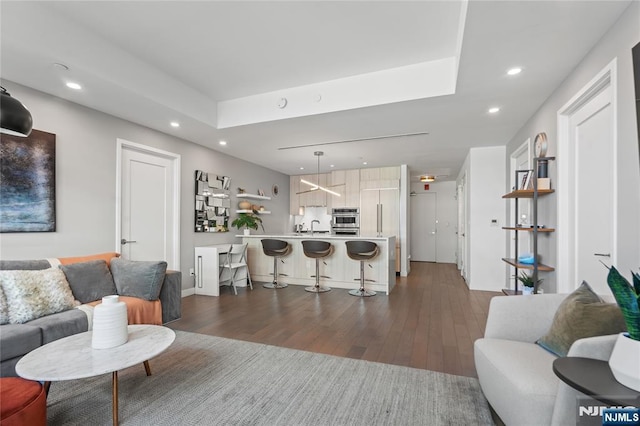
<point x="345" y="221"/>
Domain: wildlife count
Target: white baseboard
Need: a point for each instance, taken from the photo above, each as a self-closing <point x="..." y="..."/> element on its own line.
<point x="191" y="291"/>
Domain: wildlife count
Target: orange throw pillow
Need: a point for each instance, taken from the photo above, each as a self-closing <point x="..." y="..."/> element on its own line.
<point x="140" y="311"/>
<point x="102" y="256"/>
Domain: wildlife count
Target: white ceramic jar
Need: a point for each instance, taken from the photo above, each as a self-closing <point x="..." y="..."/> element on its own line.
<point x="109" y="323"/>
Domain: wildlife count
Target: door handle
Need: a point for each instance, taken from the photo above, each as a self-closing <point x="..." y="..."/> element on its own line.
<point x="602" y="254"/>
<point x="124" y="241"/>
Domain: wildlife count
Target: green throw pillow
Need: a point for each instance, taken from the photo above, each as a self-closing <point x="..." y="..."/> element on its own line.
<point x="582" y="314"/>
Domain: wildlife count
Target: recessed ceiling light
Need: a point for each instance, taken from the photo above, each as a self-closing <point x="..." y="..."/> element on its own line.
<point x="301" y="168"/>
<point x="333" y="165"/>
<point x="493" y="110"/>
<point x="74" y="86"/>
<point x="222" y="142"/>
<point x="60" y="66"/>
<point x="175" y="124"/>
<point x="364" y="162"/>
<point x="514" y="71"/>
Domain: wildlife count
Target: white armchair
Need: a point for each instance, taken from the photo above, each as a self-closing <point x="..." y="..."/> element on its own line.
<point x="515" y="374"/>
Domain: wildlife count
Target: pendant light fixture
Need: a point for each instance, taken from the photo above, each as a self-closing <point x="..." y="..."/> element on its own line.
<point x="316" y="186"/>
<point x="15" y="118"/>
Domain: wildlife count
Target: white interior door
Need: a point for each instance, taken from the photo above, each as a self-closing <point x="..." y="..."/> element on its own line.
<point x="423" y="227"/>
<point x="592" y="134"/>
<point x="148" y="204"/>
<point x="462" y="228"/>
<point x="586" y="162"/>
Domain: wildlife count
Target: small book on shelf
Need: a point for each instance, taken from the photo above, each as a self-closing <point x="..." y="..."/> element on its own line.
<point x="526" y="179"/>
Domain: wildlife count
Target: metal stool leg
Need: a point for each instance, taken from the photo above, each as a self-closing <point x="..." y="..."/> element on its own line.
<point x="275" y="283"/>
<point x="317" y="288"/>
<point x="362" y="292"/>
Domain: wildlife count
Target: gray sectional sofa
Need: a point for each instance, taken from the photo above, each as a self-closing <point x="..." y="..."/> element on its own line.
<point x="16" y="340"/>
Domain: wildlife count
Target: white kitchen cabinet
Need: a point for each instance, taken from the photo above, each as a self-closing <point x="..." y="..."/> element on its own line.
<point x="294" y="198"/>
<point x="380" y="212"/>
<point x="347" y="184"/>
<point x="380" y="173"/>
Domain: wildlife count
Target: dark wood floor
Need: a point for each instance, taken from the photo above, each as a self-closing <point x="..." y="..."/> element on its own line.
<point x="429" y="321"/>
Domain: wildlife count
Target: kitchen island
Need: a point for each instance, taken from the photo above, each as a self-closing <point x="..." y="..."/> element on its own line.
<point x="344" y="272"/>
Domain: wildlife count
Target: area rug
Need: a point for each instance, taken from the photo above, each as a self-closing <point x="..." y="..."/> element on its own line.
<point x="206" y="380"/>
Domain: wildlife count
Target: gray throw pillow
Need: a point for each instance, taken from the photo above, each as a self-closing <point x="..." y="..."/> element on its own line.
<point x="141" y="279"/>
<point x="582" y="314"/>
<point x="89" y="281"/>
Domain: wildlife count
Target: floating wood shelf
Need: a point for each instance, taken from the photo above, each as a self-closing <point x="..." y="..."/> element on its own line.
<point x="519" y="265"/>
<point x="527" y="193"/>
<point x="252" y="196"/>
<point x="251" y="211"/>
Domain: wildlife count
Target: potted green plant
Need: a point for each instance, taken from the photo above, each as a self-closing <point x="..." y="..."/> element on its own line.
<point x="625" y="358"/>
<point x="528" y="285"/>
<point x="247" y="221"/>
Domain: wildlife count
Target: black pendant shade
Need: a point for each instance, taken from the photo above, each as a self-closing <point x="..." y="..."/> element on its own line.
<point x="15" y="119"/>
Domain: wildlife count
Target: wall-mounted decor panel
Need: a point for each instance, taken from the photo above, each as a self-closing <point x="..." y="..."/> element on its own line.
<point x="28" y="182"/>
<point x="212" y="202"/>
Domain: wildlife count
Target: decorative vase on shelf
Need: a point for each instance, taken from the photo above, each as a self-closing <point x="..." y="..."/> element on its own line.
<point x="247" y="231"/>
<point x="624" y="361"/>
<point x="244" y="205"/>
<point x="109" y="323"/>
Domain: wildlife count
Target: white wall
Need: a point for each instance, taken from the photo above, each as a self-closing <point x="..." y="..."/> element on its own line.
<point x="313" y="213"/>
<point x="485" y="170"/>
<point x="86" y="182"/>
<point x="446" y="215"/>
<point x="617" y="43"/>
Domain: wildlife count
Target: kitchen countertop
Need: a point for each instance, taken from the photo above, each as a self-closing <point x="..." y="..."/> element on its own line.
<point x="317" y="235"/>
<point x="380" y="274"/>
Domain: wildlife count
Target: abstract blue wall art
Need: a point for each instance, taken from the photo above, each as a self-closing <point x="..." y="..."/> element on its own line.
<point x="28" y="182"/>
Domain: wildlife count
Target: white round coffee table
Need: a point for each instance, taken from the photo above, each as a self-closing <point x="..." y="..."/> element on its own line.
<point x="73" y="357"/>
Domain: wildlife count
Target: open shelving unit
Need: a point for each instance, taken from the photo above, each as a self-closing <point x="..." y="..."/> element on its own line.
<point x="253" y="197"/>
<point x="535" y="229"/>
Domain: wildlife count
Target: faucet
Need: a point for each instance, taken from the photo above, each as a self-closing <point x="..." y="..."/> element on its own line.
<point x="312" y="222"/>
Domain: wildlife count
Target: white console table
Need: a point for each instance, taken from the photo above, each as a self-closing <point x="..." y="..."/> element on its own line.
<point x="207" y="270"/>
